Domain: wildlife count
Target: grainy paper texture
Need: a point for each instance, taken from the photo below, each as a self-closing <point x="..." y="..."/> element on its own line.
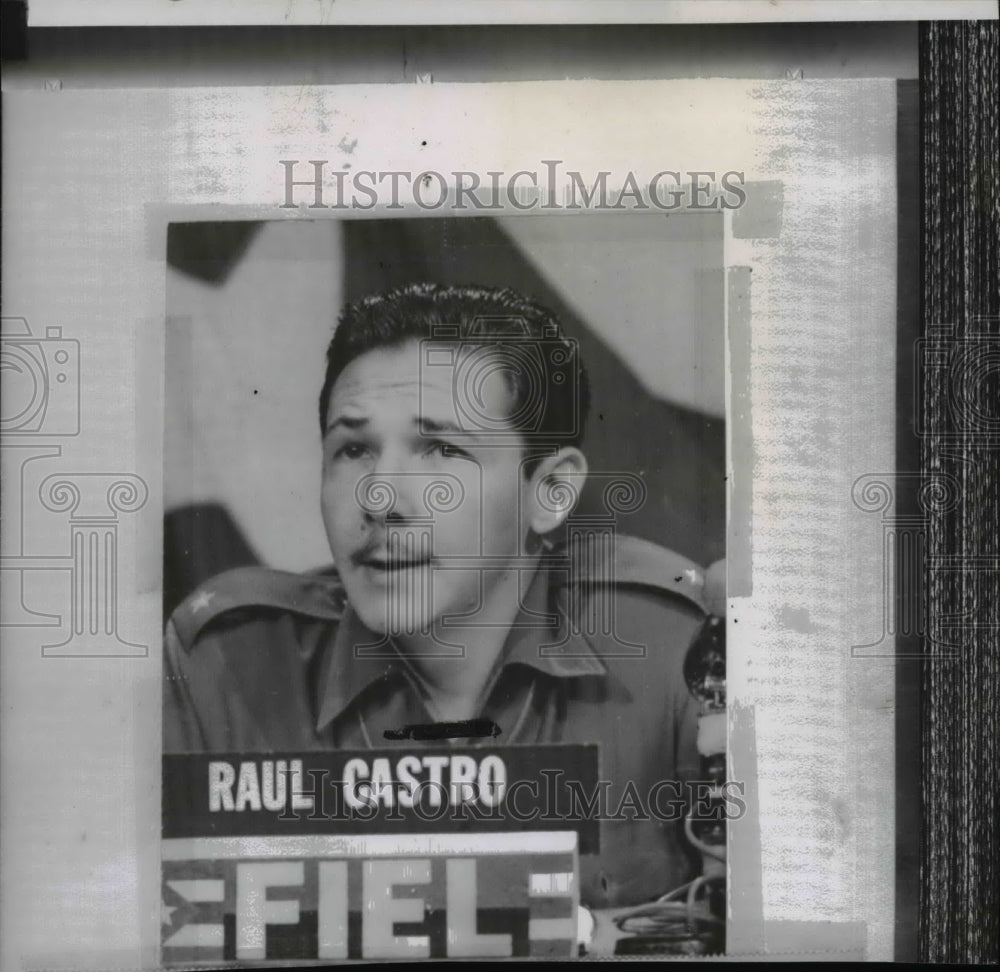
<point x="91" y="181"/>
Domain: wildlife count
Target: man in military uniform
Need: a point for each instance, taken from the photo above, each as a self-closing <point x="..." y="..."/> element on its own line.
<point x="451" y="420"/>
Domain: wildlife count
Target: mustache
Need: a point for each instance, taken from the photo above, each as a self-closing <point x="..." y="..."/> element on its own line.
<point x="393" y="547"/>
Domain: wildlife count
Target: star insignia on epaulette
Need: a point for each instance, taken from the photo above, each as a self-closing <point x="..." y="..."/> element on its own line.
<point x="202" y="601"/>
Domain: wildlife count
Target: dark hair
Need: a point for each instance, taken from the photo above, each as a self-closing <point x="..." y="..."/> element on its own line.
<point x="551" y="396"/>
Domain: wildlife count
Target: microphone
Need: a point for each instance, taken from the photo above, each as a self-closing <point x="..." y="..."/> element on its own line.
<point x="690" y="920"/>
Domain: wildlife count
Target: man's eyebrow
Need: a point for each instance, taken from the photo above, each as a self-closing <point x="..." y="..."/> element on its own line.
<point x="347" y="422"/>
<point x="429" y="426"/>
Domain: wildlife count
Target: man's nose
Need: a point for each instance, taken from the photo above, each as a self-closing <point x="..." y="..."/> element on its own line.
<point x="389" y="496"/>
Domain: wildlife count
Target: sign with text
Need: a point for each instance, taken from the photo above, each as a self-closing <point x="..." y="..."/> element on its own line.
<point x="423" y="790"/>
<point x="376" y="896"/>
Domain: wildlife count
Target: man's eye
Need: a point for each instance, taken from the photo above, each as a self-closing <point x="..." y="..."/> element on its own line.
<point x="446" y="450"/>
<point x="350" y="450"/>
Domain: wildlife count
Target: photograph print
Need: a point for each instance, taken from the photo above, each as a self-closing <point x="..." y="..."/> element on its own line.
<point x="444" y="588"/>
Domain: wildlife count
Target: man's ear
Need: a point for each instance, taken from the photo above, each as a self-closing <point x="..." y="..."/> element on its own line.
<point x="554" y="489"/>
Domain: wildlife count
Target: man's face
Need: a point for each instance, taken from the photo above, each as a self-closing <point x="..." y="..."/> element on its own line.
<point x="410" y="502"/>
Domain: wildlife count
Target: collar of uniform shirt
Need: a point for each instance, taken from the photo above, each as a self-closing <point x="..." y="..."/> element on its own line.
<point x="345" y="672"/>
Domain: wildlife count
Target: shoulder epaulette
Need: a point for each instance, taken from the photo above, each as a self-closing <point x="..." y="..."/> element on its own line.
<point x="643" y="563"/>
<point x="318" y="595"/>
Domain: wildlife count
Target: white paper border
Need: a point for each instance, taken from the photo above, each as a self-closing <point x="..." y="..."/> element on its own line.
<point x="88" y="178"/>
<point x="326" y="13"/>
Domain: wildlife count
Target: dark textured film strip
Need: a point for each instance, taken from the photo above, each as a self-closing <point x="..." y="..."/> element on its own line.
<point x="13" y="30"/>
<point x="960" y="413"/>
